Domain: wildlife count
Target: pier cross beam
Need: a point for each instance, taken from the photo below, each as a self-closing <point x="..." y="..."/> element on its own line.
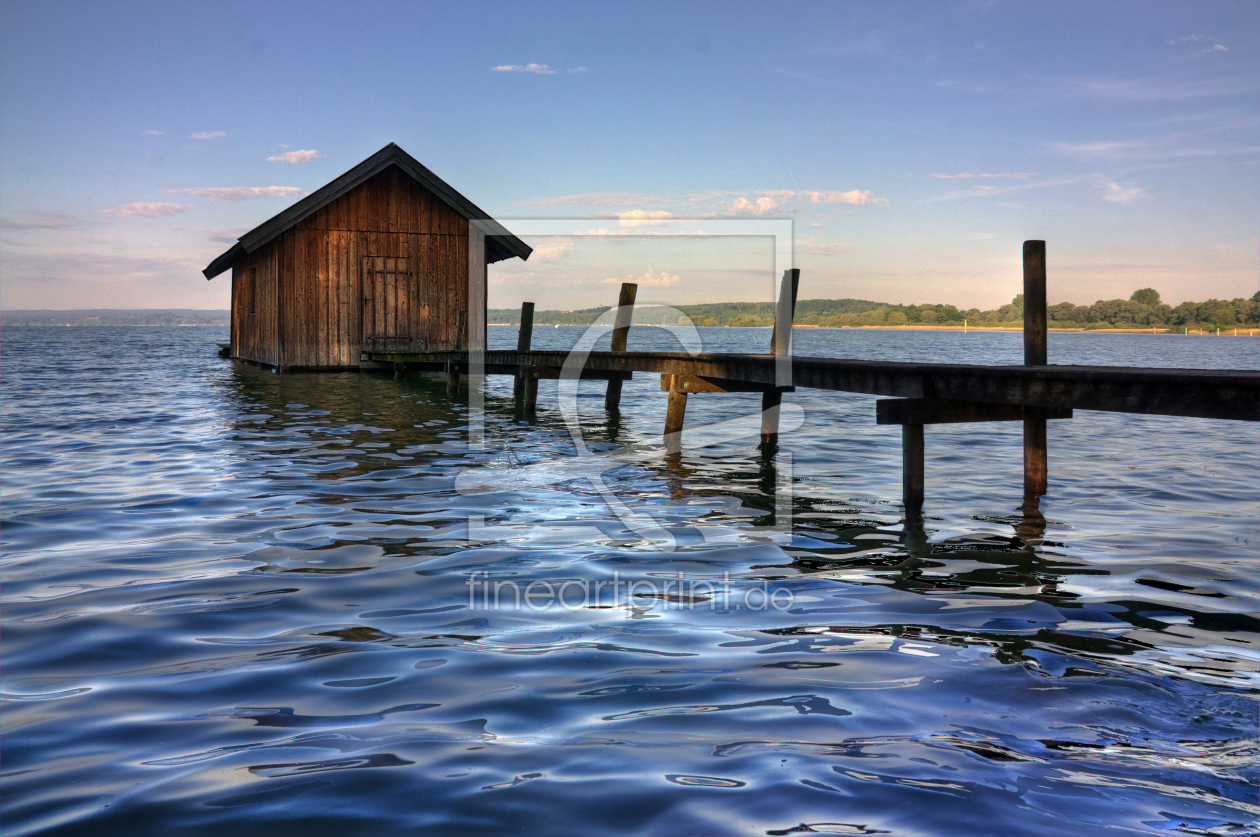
<point x="1036" y="469"/>
<point x="913" y="413"/>
<point x="621" y="331"/>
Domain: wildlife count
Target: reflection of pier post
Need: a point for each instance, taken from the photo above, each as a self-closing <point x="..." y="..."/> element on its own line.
<point x="621" y="331"/>
<point x="1035" y="467"/>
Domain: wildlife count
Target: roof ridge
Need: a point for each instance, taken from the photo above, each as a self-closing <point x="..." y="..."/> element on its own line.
<point x="390" y="155"/>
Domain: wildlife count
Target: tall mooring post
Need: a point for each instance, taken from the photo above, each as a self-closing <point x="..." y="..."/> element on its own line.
<point x="781" y="348"/>
<point x="524" y="338"/>
<point x="1035" y="467"/>
<point x="621" y="332"/>
<point x="912" y="469"/>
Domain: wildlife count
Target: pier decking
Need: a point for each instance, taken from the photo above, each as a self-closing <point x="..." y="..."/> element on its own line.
<point x="1200" y="393"/>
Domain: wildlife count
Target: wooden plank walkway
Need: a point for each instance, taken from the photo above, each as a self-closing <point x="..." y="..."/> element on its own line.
<point x="1200" y="393"/>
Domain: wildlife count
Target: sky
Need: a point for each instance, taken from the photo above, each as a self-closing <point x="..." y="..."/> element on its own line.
<point x="913" y="145"/>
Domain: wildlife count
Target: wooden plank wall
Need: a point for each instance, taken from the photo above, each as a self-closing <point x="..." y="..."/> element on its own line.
<point x="255" y="313"/>
<point x="385" y="266"/>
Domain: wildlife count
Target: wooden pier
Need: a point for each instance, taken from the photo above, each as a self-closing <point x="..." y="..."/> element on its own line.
<point x="920" y="394"/>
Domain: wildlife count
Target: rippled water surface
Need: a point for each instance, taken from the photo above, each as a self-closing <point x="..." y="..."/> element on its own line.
<point x="242" y="603"/>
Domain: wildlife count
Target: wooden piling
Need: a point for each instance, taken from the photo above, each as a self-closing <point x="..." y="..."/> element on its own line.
<point x="912" y="468"/>
<point x="1036" y="471"/>
<point x="621" y="332"/>
<point x="771" y="401"/>
<point x="524" y="338"/>
<point x="1035" y="354"/>
<point x="1034" y="303"/>
<point x="531" y="393"/>
<point x="452" y="378"/>
<point x="781" y="348"/>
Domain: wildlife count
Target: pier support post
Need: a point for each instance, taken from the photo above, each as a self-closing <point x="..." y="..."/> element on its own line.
<point x="781" y="348"/>
<point x="621" y="331"/>
<point x="524" y="339"/>
<point x="531" y="393"/>
<point x="452" y="378"/>
<point x="771" y="400"/>
<point x="1035" y="354"/>
<point x="912" y="469"/>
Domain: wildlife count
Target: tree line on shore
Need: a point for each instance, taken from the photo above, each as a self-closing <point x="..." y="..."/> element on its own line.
<point x="1142" y="310"/>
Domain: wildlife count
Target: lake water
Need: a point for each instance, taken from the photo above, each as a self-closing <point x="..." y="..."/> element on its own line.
<point x="242" y="603"/>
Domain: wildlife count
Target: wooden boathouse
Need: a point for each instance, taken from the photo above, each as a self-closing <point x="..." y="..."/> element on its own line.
<point x="387" y="257"/>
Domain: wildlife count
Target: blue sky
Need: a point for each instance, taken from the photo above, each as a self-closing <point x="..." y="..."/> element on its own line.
<point x="914" y="145"/>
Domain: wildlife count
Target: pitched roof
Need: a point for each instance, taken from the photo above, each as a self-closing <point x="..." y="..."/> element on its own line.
<point x="500" y="243"/>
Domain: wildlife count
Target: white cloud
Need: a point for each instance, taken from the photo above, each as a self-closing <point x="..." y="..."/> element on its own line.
<point x="208" y="135"/>
<point x="240" y="193"/>
<point x="295" y="157"/>
<point x="986" y="190"/>
<point x="743" y="206"/>
<point x="644" y="218"/>
<point x="577" y="70"/>
<point x="145" y="210"/>
<point x="536" y="69"/>
<point x="651" y="279"/>
<point x="1116" y="193"/>
<point x="554" y="247"/>
<point x="154" y="133"/>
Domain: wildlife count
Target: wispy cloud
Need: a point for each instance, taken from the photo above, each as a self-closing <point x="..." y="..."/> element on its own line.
<point x="1095" y="149"/>
<point x="1195" y="39"/>
<point x="37" y="219"/>
<point x="143" y="210"/>
<point x="153" y="133"/>
<point x="985" y="190"/>
<point x="963" y="175"/>
<point x="768" y="199"/>
<point x="599" y="199"/>
<point x="651" y="279"/>
<point x="536" y="69"/>
<point x="1116" y="193"/>
<point x="552" y="248"/>
<point x="240" y="193"/>
<point x="856" y="197"/>
<point x="577" y="70"/>
<point x="208" y="135"/>
<point x="827" y="249"/>
<point x="295" y="157"/>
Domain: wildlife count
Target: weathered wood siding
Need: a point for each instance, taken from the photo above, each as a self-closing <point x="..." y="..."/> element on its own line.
<point x="385" y="266"/>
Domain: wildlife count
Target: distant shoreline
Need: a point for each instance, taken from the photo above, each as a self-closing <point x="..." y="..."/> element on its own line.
<point x="1194" y="332"/>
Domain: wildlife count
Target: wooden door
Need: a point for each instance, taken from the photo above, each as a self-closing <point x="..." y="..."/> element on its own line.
<point x="387" y="293"/>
